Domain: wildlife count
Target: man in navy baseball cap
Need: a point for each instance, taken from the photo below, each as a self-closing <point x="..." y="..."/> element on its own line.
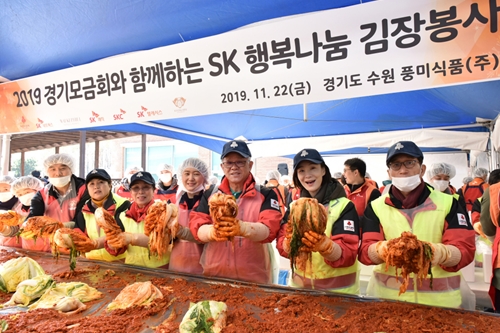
<point x="255" y="225"/>
<point x="404" y="147"/>
<point x="236" y="146"/>
<point x="437" y="219"/>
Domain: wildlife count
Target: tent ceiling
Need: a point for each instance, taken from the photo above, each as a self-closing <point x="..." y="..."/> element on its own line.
<point x="37" y="37"/>
<point x="30" y="142"/>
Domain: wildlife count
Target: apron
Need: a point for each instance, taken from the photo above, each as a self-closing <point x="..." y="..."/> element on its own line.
<point x="185" y="256"/>
<point x="241" y="259"/>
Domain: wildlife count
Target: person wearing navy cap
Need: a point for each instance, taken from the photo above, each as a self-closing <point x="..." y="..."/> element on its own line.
<point x="133" y="240"/>
<point x="333" y="254"/>
<point x="434" y="217"/>
<point x="99" y="186"/>
<point x="249" y="257"/>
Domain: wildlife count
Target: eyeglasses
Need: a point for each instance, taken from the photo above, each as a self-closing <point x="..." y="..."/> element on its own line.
<point x="397" y="165"/>
<point x="229" y="165"/>
<point x="137" y="189"/>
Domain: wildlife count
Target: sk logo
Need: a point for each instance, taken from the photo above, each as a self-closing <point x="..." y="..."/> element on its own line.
<point x="234" y="144"/>
<point x="399" y="146"/>
<point x="304" y="153"/>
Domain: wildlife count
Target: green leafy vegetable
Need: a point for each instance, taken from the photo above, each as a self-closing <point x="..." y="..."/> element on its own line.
<point x="30" y="289"/>
<point x="17" y="270"/>
<point x="4" y="325"/>
<point x="204" y="317"/>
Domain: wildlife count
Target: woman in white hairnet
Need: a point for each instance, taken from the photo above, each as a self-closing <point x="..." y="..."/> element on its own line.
<point x="24" y="188"/>
<point x="64" y="195"/>
<point x="187" y="251"/>
<point x="167" y="185"/>
<point x="439" y="175"/>
<point x="8" y="201"/>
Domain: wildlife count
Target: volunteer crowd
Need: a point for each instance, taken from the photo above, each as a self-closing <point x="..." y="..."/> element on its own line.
<point x="361" y="218"/>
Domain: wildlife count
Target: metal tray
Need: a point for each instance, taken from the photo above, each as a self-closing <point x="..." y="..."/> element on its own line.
<point x="95" y="272"/>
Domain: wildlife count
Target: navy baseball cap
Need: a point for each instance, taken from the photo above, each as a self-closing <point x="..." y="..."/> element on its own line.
<point x="143" y="176"/>
<point x="311" y="155"/>
<point x="403" y="147"/>
<point x="236" y="146"/>
<point x="97" y="173"/>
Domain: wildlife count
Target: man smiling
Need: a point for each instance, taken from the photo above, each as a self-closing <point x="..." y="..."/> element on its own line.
<point x="247" y="256"/>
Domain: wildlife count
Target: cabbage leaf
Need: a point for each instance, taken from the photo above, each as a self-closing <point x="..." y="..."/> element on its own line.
<point x="204" y="317"/>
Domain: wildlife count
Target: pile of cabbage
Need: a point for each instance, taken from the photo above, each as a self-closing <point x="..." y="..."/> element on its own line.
<point x="30" y="283"/>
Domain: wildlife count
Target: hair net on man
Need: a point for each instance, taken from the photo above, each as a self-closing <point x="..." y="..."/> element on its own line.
<point x="167" y="167"/>
<point x="337" y="175"/>
<point x="6" y="179"/>
<point x="480" y="172"/>
<point x="273" y="174"/>
<point x="197" y="164"/>
<point x="26" y="182"/>
<point x="134" y="169"/>
<point x="441" y="169"/>
<point x="65" y="159"/>
<point x="467" y="179"/>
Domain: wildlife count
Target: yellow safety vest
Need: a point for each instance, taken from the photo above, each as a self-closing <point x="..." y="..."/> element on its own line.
<point x="92" y="231"/>
<point x="324" y="276"/>
<point x="428" y="224"/>
<point x="137" y="255"/>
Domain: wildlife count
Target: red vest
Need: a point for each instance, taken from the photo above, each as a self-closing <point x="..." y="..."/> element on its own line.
<point x="472" y="191"/>
<point x="360" y="196"/>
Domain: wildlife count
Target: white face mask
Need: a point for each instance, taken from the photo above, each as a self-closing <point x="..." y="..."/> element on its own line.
<point x="406" y="184"/>
<point x="165" y="177"/>
<point x="5" y="196"/>
<point x="26" y="199"/>
<point x="440" y="185"/>
<point x="60" y="181"/>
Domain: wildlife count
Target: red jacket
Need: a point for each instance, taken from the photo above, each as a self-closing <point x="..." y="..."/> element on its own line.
<point x="362" y="196"/>
<point x="268" y="215"/>
<point x="473" y="190"/>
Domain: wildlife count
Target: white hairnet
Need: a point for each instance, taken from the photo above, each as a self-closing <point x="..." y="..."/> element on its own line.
<point x="273" y="174"/>
<point x="337" y="175"/>
<point x="7" y="179"/>
<point x="467" y="179"/>
<point x="168" y="167"/>
<point x="196" y="163"/>
<point x="26" y="182"/>
<point x="480" y="172"/>
<point x="441" y="169"/>
<point x="134" y="169"/>
<point x="65" y="159"/>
